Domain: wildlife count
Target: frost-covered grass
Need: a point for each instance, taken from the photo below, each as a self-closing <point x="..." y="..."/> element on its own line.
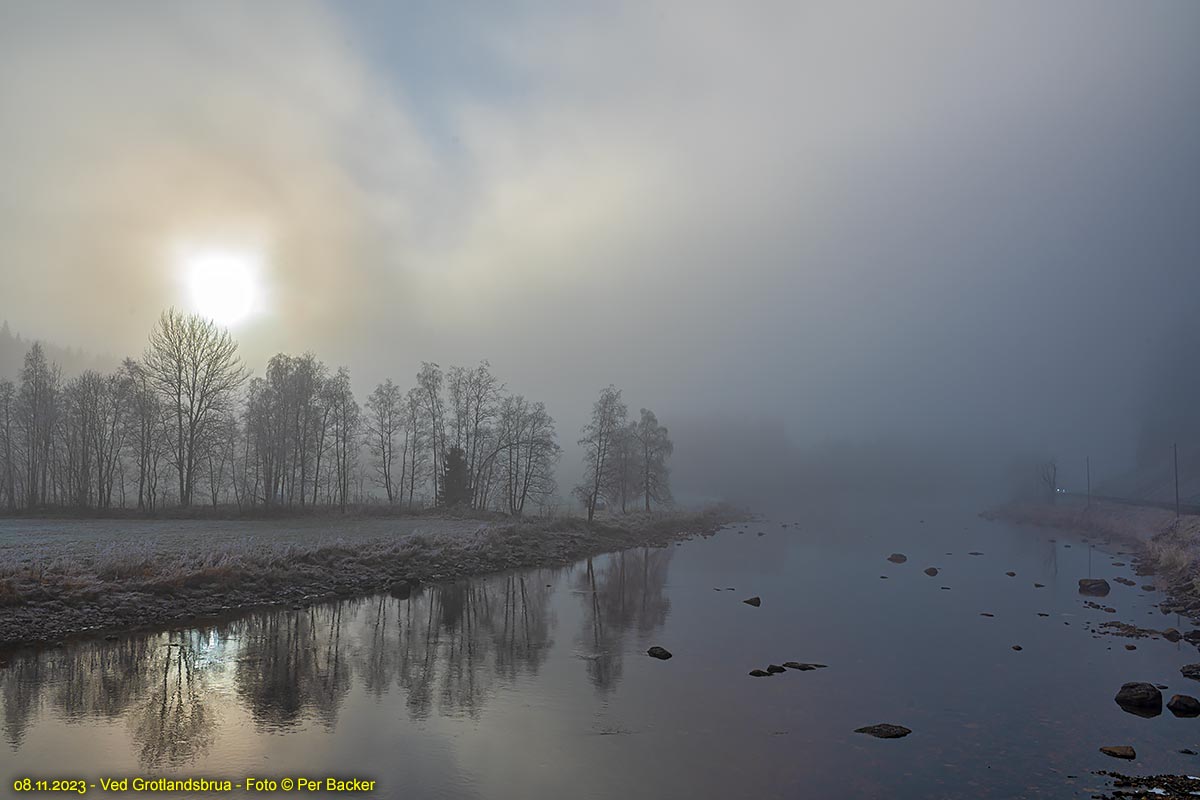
<point x="63" y="576"/>
<point x="86" y="557"/>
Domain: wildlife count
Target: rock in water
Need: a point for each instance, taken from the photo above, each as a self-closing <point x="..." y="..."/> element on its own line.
<point x="1172" y="635"/>
<point x="931" y="571"/>
<point x="1119" y="751"/>
<point x="802" y="666"/>
<point x="1143" y="699"/>
<point x="1094" y="586"/>
<point x="897" y="558"/>
<point x="753" y="601"/>
<point x="885" y="730"/>
<point x="1184" y="705"/>
<point x="659" y="652"/>
<point x="775" y="669"/>
<point x="760" y="673"/>
<point x="1190" y="671"/>
<point x="1011" y="574"/>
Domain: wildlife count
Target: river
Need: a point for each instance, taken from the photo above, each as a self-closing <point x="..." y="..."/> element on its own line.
<point x="536" y="683"/>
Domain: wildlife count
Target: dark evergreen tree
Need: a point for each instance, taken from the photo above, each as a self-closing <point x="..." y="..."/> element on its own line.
<point x="455" y="488"/>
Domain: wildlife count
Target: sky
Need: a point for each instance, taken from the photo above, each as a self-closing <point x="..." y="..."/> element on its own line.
<point x="939" y="220"/>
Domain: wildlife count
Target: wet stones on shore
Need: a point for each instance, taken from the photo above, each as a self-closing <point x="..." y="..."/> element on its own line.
<point x="1097" y="587"/>
<point x="885" y="730"/>
<point x="659" y="652"/>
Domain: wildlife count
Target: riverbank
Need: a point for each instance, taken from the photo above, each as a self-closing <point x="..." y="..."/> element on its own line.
<point x="64" y="577"/>
<point x="1164" y="545"/>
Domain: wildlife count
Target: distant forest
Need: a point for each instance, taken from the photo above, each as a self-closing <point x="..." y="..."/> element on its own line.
<point x="185" y="424"/>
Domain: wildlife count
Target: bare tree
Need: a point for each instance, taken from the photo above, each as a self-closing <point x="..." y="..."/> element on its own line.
<point x="654" y="448"/>
<point x="530" y="455"/>
<point x="8" y="463"/>
<point x="194" y="367"/>
<point x="430" y="380"/>
<point x="37" y="409"/>
<point x="608" y="416"/>
<point x="385" y="422"/>
<point x="1049" y="475"/>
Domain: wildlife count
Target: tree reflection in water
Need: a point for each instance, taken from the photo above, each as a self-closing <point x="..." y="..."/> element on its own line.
<point x="447" y="648"/>
<point x="626" y="594"/>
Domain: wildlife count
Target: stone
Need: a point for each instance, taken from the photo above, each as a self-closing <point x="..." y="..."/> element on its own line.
<point x="1097" y="587"/>
<point x="802" y="666"/>
<point x="897" y="558"/>
<point x="760" y="673"/>
<point x="753" y="601"/>
<point x="1184" y="705"/>
<point x="1143" y="699"/>
<point x="1190" y="671"/>
<point x="885" y="730"/>
<point x="1172" y="635"/>
<point x="931" y="571"/>
<point x="775" y="669"/>
<point x="659" y="652"/>
<point x="1119" y="751"/>
<point x="1011" y="574"/>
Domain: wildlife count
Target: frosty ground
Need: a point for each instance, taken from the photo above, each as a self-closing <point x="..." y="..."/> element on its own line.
<point x="61" y="577"/>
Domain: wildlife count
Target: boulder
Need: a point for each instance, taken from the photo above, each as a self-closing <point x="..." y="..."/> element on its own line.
<point x="1119" y="751"/>
<point x="1172" y="635"/>
<point x="885" y="730"/>
<point x="753" y="601"/>
<point x="1190" y="671"/>
<point x="1184" y="705"/>
<point x="659" y="652"/>
<point x="1097" y="587"/>
<point x="1143" y="699"/>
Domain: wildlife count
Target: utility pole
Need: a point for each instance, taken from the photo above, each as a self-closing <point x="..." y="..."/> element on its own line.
<point x="1089" y="481"/>
<point x="1176" y="448"/>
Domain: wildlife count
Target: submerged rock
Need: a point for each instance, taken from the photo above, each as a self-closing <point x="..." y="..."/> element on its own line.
<point x="1184" y="705"/>
<point x="753" y="601"/>
<point x="1094" y="586"/>
<point x="1119" y="751"/>
<point x="897" y="558"/>
<point x="885" y="730"/>
<point x="1143" y="699"/>
<point x="659" y="652"/>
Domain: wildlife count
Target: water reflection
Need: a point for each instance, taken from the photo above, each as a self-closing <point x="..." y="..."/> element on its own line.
<point x="626" y="593"/>
<point x="446" y="648"/>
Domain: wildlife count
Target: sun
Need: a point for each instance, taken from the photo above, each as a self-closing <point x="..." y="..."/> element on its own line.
<point x="223" y="284"/>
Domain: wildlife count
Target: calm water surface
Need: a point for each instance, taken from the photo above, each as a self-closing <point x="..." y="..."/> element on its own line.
<point x="535" y="684"/>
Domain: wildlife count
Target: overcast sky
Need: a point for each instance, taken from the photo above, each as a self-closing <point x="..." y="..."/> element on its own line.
<point x="920" y="218"/>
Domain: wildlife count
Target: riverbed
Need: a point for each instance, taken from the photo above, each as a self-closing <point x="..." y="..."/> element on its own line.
<point x="536" y="683"/>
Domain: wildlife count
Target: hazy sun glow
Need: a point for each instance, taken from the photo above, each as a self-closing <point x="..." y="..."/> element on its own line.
<point x="223" y="285"/>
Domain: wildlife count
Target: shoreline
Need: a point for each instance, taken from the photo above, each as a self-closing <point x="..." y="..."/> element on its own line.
<point x="44" y="603"/>
<point x="1166" y="546"/>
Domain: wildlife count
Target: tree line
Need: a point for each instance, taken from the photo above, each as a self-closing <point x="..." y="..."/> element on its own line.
<point x="186" y="424"/>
